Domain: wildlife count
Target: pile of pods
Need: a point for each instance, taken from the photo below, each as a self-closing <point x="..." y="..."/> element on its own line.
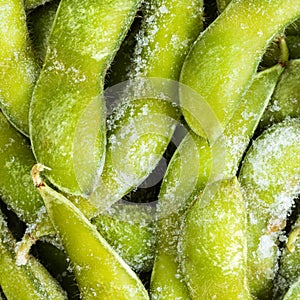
<point x="149" y="149"/>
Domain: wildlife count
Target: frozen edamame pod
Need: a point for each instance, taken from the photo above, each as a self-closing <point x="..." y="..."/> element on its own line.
<point x="24" y="282"/>
<point x="129" y="229"/>
<point x="213" y="244"/>
<point x="286" y="98"/>
<point x="40" y="23"/>
<point x="141" y="130"/>
<point x="18" y="66"/>
<point x="222" y="63"/>
<point x="293" y="292"/>
<point x="269" y="177"/>
<point x="67" y="113"/>
<point x="293" y="43"/>
<point x="16" y="161"/>
<point x="167" y="32"/>
<point x="99" y="271"/>
<point x="193" y="160"/>
<point x="289" y="265"/>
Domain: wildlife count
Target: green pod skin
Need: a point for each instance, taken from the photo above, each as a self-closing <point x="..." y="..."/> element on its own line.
<point x="16" y="161"/>
<point x="67" y="113"/>
<point x="193" y="160"/>
<point x="167" y="33"/>
<point x="187" y="173"/>
<point x="99" y="271"/>
<point x="24" y="282"/>
<point x="293" y="292"/>
<point x="286" y="98"/>
<point x="289" y="265"/>
<point x="222" y="63"/>
<point x="19" y="68"/>
<point x="129" y="229"/>
<point x="158" y="57"/>
<point x="269" y="177"/>
<point x="135" y="146"/>
<point x="40" y="22"/>
<point x="18" y="192"/>
<point x="213" y="244"/>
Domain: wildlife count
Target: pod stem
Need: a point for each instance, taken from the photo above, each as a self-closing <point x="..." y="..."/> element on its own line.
<point x="284" y="51"/>
<point x="35" y="173"/>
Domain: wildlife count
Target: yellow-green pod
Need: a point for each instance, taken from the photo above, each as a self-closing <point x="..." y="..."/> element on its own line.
<point x="129" y="229"/>
<point x="18" y="65"/>
<point x="16" y="161"/>
<point x="269" y="176"/>
<point x="99" y="271"/>
<point x="222" y="63"/>
<point x="190" y="170"/>
<point x="27" y="282"/>
<point x="40" y="22"/>
<point x="67" y="113"/>
<point x="213" y="244"/>
<point x="140" y="130"/>
<point x="286" y="98"/>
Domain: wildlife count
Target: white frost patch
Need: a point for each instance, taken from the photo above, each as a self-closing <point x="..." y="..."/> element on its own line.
<point x="266" y="246"/>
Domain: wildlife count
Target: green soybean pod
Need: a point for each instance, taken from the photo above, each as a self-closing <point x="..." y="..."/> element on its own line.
<point x="40" y="22"/>
<point x="213" y="244"/>
<point x="129" y="229"/>
<point x="269" y="177"/>
<point x="286" y="98"/>
<point x="99" y="271"/>
<point x="24" y="282"/>
<point x="293" y="292"/>
<point x="167" y="33"/>
<point x="289" y="264"/>
<point x="140" y="130"/>
<point x="193" y="159"/>
<point x="19" y="68"/>
<point x="222" y="62"/>
<point x="67" y="113"/>
<point x="16" y="161"/>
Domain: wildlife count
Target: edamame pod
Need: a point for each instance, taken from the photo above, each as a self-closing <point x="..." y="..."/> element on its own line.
<point x="18" y="192"/>
<point x="289" y="265"/>
<point x="269" y="177"/>
<point x="140" y="130"/>
<point x="286" y="98"/>
<point x="129" y="229"/>
<point x="222" y="63"/>
<point x="40" y="23"/>
<point x="19" y="68"/>
<point x="293" y="292"/>
<point x="16" y="161"/>
<point x="24" y="282"/>
<point x="213" y="244"/>
<point x="99" y="271"/>
<point x="67" y="113"/>
<point x="193" y="160"/>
